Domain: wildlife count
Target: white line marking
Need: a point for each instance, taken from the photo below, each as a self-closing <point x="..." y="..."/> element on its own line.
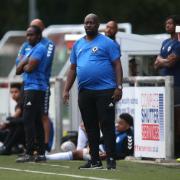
<point x="52" y="173"/>
<point x="53" y="165"/>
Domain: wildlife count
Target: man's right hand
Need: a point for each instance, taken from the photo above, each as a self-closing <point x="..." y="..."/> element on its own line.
<point x="66" y="97"/>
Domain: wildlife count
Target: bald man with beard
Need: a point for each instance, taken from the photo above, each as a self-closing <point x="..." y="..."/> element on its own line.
<point x="111" y="31"/>
<point x="95" y="60"/>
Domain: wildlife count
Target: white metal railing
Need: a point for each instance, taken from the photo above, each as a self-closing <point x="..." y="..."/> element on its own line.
<point x="135" y="86"/>
<point x="161" y="87"/>
<point x="55" y="111"/>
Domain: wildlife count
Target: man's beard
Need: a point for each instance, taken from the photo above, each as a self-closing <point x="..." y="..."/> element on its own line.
<point x="112" y="37"/>
<point x="91" y="33"/>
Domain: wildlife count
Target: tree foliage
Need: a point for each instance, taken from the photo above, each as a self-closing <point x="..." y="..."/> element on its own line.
<point x="146" y="16"/>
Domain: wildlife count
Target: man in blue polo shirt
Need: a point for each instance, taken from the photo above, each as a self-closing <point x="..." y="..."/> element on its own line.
<point x="49" y="59"/>
<point x="95" y="60"/>
<point x="168" y="62"/>
<point x="33" y="67"/>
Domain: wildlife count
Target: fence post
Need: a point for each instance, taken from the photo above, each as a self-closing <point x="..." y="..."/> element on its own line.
<point x="169" y="120"/>
<point x="58" y="114"/>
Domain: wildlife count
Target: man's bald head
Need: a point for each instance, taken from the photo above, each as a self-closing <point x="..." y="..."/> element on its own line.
<point x="91" y="24"/>
<point x="92" y="16"/>
<point x="111" y="29"/>
<point x="38" y="22"/>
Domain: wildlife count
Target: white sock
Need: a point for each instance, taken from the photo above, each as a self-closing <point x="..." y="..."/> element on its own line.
<point x="60" y="156"/>
<point x="86" y="155"/>
<point x="82" y="139"/>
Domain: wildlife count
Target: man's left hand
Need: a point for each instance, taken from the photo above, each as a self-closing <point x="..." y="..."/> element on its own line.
<point x="117" y="94"/>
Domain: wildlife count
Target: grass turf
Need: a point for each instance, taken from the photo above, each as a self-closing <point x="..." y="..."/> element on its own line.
<point x="125" y="171"/>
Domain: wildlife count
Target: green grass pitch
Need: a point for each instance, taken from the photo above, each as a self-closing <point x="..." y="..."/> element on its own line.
<point x="62" y="170"/>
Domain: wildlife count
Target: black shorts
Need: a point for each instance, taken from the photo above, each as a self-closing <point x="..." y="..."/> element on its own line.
<point x="34" y="99"/>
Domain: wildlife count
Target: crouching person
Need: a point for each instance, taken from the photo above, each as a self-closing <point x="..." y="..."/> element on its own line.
<point x="13" y="126"/>
<point x="124" y="136"/>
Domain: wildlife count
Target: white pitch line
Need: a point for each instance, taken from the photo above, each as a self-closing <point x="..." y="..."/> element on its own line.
<point x="52" y="173"/>
<point x="53" y="165"/>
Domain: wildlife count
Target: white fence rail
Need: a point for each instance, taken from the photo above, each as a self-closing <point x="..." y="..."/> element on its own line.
<point x="55" y="109"/>
<point x="149" y="100"/>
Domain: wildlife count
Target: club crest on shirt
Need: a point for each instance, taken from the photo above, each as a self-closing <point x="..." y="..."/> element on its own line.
<point x="80" y="50"/>
<point x="169" y="48"/>
<point x="95" y="49"/>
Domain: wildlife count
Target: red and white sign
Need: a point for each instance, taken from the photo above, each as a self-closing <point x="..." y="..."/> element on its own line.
<point x="147" y="106"/>
<point x="150" y="132"/>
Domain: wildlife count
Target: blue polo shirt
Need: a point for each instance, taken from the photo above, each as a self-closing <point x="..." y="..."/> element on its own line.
<point x="36" y="80"/>
<point x="25" y="50"/>
<point x="170" y="46"/>
<point x="94" y="61"/>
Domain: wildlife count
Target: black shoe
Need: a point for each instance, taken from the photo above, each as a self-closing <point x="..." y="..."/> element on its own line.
<point x="92" y="165"/>
<point x="21" y="155"/>
<point x="25" y="158"/>
<point x="40" y="158"/>
<point x="4" y="151"/>
<point x="111" y="163"/>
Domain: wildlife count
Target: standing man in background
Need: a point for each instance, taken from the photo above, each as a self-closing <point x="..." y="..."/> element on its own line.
<point x="49" y="45"/>
<point x="168" y="62"/>
<point x="111" y="31"/>
<point x="33" y="67"/>
<point x="95" y="60"/>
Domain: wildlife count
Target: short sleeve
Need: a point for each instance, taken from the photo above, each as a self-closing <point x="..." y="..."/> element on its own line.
<point x="50" y="50"/>
<point x="176" y="50"/>
<point x="38" y="53"/>
<point x="114" y="51"/>
<point x="73" y="57"/>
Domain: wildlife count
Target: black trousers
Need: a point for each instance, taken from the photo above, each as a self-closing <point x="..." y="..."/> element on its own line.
<point x="98" y="112"/>
<point x="32" y="117"/>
